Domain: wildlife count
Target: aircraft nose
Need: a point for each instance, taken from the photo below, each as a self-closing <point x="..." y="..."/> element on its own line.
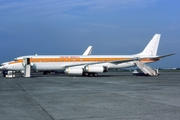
<point x="1" y="68"/>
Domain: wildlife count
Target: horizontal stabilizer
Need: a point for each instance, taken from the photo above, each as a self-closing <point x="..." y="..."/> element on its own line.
<point x="163" y="56"/>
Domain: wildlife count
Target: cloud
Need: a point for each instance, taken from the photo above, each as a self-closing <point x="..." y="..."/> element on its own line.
<point x="119" y="4"/>
<point x="59" y="6"/>
<point x="61" y="10"/>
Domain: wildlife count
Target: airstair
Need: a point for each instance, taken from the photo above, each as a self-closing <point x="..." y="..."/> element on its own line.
<point x="146" y="69"/>
<point x="27" y="67"/>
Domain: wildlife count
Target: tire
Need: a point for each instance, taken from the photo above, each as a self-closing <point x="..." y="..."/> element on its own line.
<point x="95" y="74"/>
<point x="91" y="75"/>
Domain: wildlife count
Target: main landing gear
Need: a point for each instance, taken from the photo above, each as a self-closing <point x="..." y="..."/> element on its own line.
<point x="90" y="74"/>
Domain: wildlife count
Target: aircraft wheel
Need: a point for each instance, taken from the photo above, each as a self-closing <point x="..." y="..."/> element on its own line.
<point x="85" y="74"/>
<point x="91" y="74"/>
<point x="95" y="74"/>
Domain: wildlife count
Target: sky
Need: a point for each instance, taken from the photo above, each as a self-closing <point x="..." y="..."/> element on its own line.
<point x="68" y="27"/>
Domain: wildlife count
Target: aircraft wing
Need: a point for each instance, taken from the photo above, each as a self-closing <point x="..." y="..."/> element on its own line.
<point x="94" y="63"/>
<point x="117" y="61"/>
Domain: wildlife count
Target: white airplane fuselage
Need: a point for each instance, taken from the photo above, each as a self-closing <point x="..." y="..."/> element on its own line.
<point x="59" y="62"/>
<point x="80" y="64"/>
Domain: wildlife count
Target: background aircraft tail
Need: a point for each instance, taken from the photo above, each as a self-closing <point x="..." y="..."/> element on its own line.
<point x="152" y="47"/>
<point x="88" y="51"/>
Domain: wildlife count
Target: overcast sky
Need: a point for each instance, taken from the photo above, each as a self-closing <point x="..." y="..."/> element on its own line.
<point x="112" y="27"/>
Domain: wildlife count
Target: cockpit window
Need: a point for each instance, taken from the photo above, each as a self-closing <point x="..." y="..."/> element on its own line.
<point x="15" y="59"/>
<point x="2" y="65"/>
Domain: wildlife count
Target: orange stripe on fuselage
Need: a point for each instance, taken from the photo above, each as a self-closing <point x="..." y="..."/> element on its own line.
<point x="145" y="60"/>
<point x="70" y="60"/>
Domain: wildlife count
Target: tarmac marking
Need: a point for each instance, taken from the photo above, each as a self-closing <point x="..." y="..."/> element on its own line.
<point x="34" y="101"/>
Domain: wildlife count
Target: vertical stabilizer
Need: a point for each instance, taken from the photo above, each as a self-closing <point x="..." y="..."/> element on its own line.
<point x="88" y="51"/>
<point x="152" y="47"/>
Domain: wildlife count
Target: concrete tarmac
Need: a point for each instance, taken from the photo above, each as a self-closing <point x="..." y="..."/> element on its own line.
<point x="111" y="96"/>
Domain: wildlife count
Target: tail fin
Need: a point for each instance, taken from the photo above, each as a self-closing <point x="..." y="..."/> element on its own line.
<point x="152" y="47"/>
<point x="88" y="51"/>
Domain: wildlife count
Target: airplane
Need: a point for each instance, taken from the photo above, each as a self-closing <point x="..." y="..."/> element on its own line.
<point x="87" y="65"/>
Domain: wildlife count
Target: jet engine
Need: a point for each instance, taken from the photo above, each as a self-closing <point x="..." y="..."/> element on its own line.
<point x="71" y="70"/>
<point x="87" y="70"/>
<point x="96" y="69"/>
